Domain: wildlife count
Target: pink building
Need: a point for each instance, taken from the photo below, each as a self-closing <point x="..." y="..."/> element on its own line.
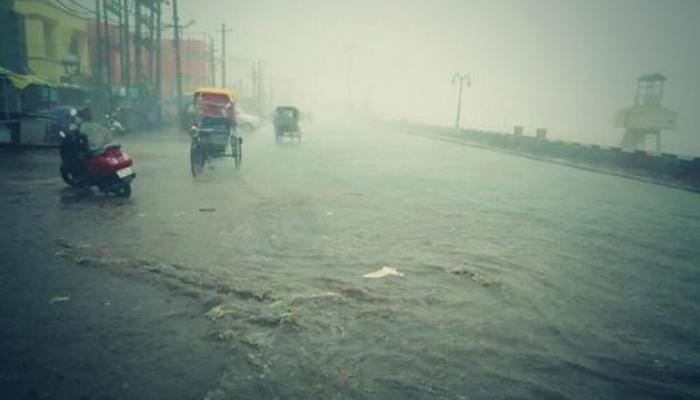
<point x="195" y="62"/>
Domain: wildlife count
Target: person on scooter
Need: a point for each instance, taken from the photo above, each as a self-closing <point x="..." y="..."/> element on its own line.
<point x="75" y="149"/>
<point x="82" y="138"/>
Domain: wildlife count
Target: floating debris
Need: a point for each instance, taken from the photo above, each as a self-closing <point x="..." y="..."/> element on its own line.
<point x="63" y="254"/>
<point x="80" y="260"/>
<point x="257" y="362"/>
<point x="210" y="209"/>
<point x="256" y="340"/>
<point x="385" y="271"/>
<point x="218" y="312"/>
<point x="59" y="299"/>
<point x="475" y="276"/>
<point x="289" y="318"/>
<point x="226" y="335"/>
<point x="315" y="299"/>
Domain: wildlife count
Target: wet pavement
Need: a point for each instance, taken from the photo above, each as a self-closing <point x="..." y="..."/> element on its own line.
<point x="522" y="279"/>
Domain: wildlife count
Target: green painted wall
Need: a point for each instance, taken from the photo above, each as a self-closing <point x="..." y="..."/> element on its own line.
<point x="52" y="36"/>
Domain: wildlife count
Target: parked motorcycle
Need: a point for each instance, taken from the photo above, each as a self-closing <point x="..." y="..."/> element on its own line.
<point x="114" y="123"/>
<point x="88" y="158"/>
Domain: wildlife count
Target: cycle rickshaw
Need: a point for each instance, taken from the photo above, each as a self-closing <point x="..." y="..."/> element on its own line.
<point x="213" y="128"/>
<point x="286" y="122"/>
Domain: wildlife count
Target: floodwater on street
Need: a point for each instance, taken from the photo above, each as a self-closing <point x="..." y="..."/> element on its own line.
<point x="522" y="279"/>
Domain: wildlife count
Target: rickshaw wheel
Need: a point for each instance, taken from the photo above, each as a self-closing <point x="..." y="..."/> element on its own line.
<point x="197" y="158"/>
<point x="239" y="152"/>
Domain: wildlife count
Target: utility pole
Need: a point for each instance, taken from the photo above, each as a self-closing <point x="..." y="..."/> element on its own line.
<point x="224" y="31"/>
<point x="100" y="47"/>
<point x="119" y="11"/>
<point x="212" y="62"/>
<point x="259" y="83"/>
<point x="459" y="76"/>
<point x="178" y="59"/>
<point x="107" y="53"/>
<point x="151" y="45"/>
<point x="261" y="87"/>
<point x="138" y="63"/>
<point x="204" y="76"/>
<point x="159" y="60"/>
<point x="254" y="81"/>
<point x="127" y="47"/>
<point x="349" y="81"/>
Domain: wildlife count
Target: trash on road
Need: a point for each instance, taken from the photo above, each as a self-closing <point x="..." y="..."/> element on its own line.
<point x="475" y="276"/>
<point x="315" y="299"/>
<point x="59" y="299"/>
<point x="385" y="271"/>
<point x="63" y="254"/>
<point x="210" y="209"/>
<point x="225" y="335"/>
<point x="67" y="245"/>
<point x="218" y="312"/>
<point x="257" y="362"/>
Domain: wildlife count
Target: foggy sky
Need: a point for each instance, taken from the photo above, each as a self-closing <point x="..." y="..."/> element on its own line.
<point x="561" y="64"/>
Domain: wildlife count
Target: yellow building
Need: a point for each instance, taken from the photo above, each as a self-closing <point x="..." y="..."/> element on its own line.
<point x="56" y="40"/>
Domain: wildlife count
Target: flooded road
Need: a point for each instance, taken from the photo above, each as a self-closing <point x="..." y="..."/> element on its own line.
<point x="521" y="279"/>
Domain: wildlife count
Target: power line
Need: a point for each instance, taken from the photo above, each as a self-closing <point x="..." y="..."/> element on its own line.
<point x="83" y="7"/>
<point x="69" y="10"/>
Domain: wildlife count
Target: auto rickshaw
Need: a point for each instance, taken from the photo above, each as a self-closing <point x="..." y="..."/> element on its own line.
<point x="213" y="128"/>
<point x="286" y="122"/>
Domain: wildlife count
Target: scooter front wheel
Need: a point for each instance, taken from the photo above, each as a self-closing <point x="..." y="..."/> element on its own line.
<point x="69" y="178"/>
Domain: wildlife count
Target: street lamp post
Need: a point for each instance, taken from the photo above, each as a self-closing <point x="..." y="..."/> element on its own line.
<point x="459" y="76"/>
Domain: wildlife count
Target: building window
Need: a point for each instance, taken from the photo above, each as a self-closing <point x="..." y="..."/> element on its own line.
<point x="77" y="39"/>
<point x="49" y="41"/>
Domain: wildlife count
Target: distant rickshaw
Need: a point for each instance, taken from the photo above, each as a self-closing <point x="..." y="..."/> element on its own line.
<point x="286" y="122"/>
<point x="213" y="128"/>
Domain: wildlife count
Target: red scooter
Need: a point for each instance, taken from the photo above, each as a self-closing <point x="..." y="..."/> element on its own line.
<point x="108" y="167"/>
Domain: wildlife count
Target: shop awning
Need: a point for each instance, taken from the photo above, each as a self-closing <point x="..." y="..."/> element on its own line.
<point x="22" y="81"/>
